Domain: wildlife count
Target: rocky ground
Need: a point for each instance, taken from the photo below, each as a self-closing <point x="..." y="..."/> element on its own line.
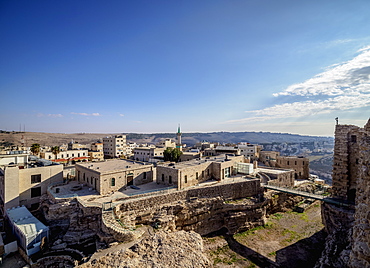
<point x="163" y="249"/>
<point x="288" y="239"/>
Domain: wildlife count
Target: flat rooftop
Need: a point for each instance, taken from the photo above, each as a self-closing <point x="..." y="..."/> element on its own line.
<point x="26" y="222"/>
<point x="190" y="163"/>
<point x="113" y="165"/>
<point x="273" y="171"/>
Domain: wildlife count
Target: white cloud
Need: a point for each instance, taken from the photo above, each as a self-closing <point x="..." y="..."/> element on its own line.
<point x="341" y="79"/>
<point x="343" y="86"/>
<point x="121" y="115"/>
<point x="49" y="115"/>
<point x="86" y="114"/>
<point x="55" y="115"/>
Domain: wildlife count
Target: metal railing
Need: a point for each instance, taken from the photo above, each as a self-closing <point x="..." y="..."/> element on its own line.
<point x="308" y="195"/>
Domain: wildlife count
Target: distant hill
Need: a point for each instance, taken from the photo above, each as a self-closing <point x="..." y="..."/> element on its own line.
<point x="50" y="139"/>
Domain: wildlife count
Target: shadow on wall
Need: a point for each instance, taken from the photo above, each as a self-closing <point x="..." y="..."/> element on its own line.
<point x="304" y="253"/>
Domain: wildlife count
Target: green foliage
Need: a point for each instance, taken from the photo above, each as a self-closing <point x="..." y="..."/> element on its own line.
<point x="292" y="235"/>
<point x="35" y="149"/>
<point x="253" y="230"/>
<point x="272" y="253"/>
<point x="55" y="150"/>
<point x="172" y="154"/>
<point x="277" y="216"/>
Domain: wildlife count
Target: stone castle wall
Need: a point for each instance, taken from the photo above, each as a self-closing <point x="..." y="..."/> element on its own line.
<point x="203" y="210"/>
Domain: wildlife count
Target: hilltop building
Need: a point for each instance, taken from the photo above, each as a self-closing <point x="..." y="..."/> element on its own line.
<point x="113" y="175"/>
<point x="114" y="146"/>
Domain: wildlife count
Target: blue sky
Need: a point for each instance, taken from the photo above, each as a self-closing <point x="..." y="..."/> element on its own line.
<point x="146" y="66"/>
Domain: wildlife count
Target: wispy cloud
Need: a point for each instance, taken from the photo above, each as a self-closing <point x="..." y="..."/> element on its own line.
<point x="343" y="86"/>
<point x="86" y="114"/>
<point x="49" y="115"/>
<point x="121" y="115"/>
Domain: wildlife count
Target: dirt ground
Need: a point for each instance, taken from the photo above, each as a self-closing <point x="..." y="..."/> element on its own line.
<point x="288" y="239"/>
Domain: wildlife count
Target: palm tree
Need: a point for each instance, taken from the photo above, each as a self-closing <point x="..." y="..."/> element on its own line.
<point x="55" y="150"/>
<point x="35" y="148"/>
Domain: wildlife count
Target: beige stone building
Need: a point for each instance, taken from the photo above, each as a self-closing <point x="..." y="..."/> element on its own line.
<point x="24" y="183"/>
<point x="268" y="158"/>
<point x="299" y="164"/>
<point x="74" y="145"/>
<point x="277" y="176"/>
<point x="148" y="154"/>
<point x="97" y="146"/>
<point x="96" y="156"/>
<point x="186" y="156"/>
<point x="114" y="175"/>
<point x="114" y="146"/>
<point x="193" y="172"/>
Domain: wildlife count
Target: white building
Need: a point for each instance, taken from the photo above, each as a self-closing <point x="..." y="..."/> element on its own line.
<point x="30" y="232"/>
<point x="67" y="156"/>
<point x="130" y="148"/>
<point x="148" y="154"/>
<point x="249" y="150"/>
<point x="114" y="146"/>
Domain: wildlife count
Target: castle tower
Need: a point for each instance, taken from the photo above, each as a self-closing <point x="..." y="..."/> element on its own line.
<point x="349" y="158"/>
<point x="178" y="143"/>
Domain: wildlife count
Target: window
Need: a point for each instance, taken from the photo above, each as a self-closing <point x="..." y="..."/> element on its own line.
<point x="186" y="178"/>
<point x="35" y="192"/>
<point x="288" y="163"/>
<point x="113" y="182"/>
<point x="295" y="163"/>
<point x="36" y="178"/>
<point x="162" y="177"/>
<point x="196" y="175"/>
<point x="169" y="179"/>
<point x="353" y="138"/>
<point x="144" y="176"/>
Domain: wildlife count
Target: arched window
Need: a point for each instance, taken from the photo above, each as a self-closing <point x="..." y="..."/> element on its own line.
<point x="113" y="182"/>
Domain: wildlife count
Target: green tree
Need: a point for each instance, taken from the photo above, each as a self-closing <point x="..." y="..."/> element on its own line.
<point x="172" y="154"/>
<point x="35" y="149"/>
<point x="55" y="150"/>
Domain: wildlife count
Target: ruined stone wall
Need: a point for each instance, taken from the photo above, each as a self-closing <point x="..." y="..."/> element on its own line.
<point x="360" y="254"/>
<point x="203" y="210"/>
<point x="343" y="150"/>
<point x="348" y="241"/>
<point x="235" y="190"/>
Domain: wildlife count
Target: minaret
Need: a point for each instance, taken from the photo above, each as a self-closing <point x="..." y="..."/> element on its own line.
<point x="178" y="145"/>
